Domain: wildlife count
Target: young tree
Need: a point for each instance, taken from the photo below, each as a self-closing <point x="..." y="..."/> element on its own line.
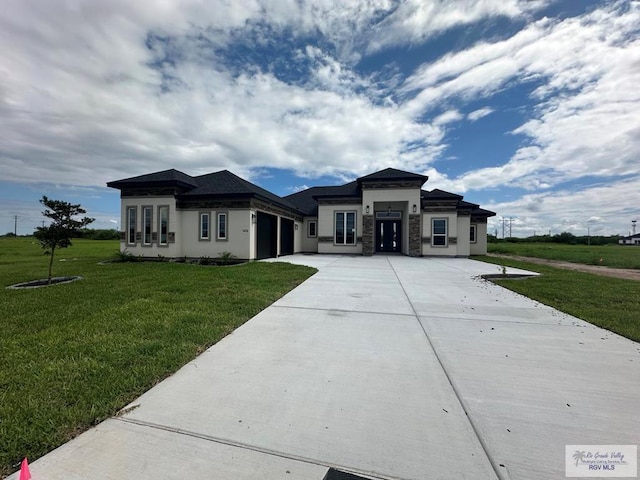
<point x="62" y="227"/>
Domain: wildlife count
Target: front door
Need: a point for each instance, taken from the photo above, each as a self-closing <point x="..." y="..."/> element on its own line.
<point x="388" y="235"/>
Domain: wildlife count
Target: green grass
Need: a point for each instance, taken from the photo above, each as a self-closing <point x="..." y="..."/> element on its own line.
<point x="610" y="303"/>
<point x="72" y="355"/>
<point x="616" y="256"/>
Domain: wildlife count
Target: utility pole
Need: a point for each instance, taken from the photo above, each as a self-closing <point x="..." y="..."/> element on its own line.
<point x="503" y="228"/>
<point x="15" y="225"/>
<point x="588" y="236"/>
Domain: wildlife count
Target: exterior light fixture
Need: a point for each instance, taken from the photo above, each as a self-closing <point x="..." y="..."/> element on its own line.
<point x="367" y="209"/>
<point x="253" y="218"/>
<point x="389" y="210"/>
<point x="296" y="226"/>
<point x="415" y="208"/>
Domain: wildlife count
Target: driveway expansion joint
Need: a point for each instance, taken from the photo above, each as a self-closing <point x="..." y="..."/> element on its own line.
<point x="254" y="448"/>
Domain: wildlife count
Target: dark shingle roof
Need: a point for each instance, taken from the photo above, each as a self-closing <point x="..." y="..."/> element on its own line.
<point x="393" y="174"/>
<point x="225" y="183"/>
<point x="307" y="200"/>
<point x="165" y="177"/>
<point x="437" y="194"/>
<point x="481" y="212"/>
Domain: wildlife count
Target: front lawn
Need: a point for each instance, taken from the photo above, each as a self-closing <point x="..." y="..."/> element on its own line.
<point x="72" y="355"/>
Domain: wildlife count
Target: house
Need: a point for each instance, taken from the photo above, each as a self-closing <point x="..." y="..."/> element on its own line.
<point x="175" y="215"/>
<point x="630" y="240"/>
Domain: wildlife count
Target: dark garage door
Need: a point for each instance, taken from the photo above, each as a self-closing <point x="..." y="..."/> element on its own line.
<point x="267" y="234"/>
<point x="286" y="236"/>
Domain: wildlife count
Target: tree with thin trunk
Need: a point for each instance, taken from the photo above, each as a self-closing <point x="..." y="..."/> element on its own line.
<point x="62" y="229"/>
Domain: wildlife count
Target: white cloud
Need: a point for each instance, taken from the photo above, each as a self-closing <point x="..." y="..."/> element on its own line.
<point x="479" y="113"/>
<point x="587" y="120"/>
<point x="604" y="209"/>
<point x="413" y="21"/>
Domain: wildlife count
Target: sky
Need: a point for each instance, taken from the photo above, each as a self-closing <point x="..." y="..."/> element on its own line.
<point x="530" y="108"/>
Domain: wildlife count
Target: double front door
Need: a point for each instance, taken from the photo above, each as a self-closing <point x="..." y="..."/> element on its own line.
<point x="388" y="235"/>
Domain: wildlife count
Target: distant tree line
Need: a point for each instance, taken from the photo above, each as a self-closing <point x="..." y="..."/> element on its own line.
<point x="564" y="237"/>
<point x="88" y="233"/>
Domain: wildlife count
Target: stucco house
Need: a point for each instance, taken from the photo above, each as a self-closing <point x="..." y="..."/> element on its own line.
<point x="175" y="215"/>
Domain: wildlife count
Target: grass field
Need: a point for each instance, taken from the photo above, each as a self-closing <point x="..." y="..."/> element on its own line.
<point x="72" y="355"/>
<point x="616" y="256"/>
<point x="610" y="303"/>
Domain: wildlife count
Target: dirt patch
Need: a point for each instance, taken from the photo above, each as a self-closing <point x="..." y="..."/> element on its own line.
<point x="625" y="273"/>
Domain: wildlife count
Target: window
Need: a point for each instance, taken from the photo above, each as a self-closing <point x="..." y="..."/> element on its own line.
<point x="147" y="213"/>
<point x="204" y="226"/>
<point x="472" y="234"/>
<point x="345" y="231"/>
<point x="163" y="224"/>
<point x="312" y="229"/>
<point x="222" y="226"/>
<point x="439" y="232"/>
<point x="131" y="225"/>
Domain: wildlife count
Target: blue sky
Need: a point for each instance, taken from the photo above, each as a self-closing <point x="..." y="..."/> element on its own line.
<point x="529" y="108"/>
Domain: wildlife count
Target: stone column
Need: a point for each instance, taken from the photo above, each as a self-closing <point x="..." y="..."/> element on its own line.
<point x="368" y="240"/>
<point x="415" y="235"/>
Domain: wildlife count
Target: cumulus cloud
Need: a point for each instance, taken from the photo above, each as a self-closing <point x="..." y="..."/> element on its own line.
<point x="92" y="92"/>
<point x="604" y="209"/>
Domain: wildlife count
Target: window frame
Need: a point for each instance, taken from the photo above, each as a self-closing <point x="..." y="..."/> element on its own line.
<point x="201" y="235"/>
<point x="147" y="214"/>
<point x="315" y="229"/>
<point x="163" y="208"/>
<point x="345" y="222"/>
<point x="131" y="234"/>
<point x="225" y="237"/>
<point x="473" y="233"/>
<point x="444" y="235"/>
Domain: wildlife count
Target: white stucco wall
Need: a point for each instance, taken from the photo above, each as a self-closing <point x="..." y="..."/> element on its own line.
<point x="399" y="199"/>
<point x="326" y="228"/>
<point x="169" y="250"/>
<point x="480" y="247"/>
<point x="464" y="241"/>
<point x="238" y="241"/>
<point x="452" y="225"/>
<point x="308" y="244"/>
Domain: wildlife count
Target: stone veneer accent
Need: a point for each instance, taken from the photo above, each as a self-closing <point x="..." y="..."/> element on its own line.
<point x="368" y="240"/>
<point x="415" y="236"/>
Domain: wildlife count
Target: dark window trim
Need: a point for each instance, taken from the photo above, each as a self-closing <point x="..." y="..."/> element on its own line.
<point x="135" y="226"/>
<point x="445" y="235"/>
<point x="473" y="238"/>
<point x="226" y="227"/>
<point x="315" y="224"/>
<point x="160" y="243"/>
<point x="200" y="236"/>
<point x="145" y="209"/>
<point x="355" y="228"/>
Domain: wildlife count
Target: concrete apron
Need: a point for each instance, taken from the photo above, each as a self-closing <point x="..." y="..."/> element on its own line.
<point x="369" y="367"/>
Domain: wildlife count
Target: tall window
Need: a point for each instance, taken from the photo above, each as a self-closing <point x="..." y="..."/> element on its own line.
<point x="345" y="228"/>
<point x="163" y="225"/>
<point x="222" y="226"/>
<point x="439" y="232"/>
<point x="147" y="213"/>
<point x="131" y="225"/>
<point x="312" y="229"/>
<point x="472" y="234"/>
<point x="204" y="226"/>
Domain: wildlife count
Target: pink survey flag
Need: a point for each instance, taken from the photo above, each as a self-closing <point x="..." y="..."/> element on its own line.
<point x="25" y="474"/>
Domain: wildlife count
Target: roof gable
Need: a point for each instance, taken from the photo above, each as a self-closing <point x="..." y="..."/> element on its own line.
<point x="391" y="174"/>
<point x="165" y="177"/>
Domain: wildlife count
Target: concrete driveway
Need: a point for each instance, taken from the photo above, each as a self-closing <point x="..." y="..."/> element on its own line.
<point x="386" y="367"/>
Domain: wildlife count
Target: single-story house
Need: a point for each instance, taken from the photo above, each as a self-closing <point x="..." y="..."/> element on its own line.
<point x="630" y="240"/>
<point x="175" y="215"/>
